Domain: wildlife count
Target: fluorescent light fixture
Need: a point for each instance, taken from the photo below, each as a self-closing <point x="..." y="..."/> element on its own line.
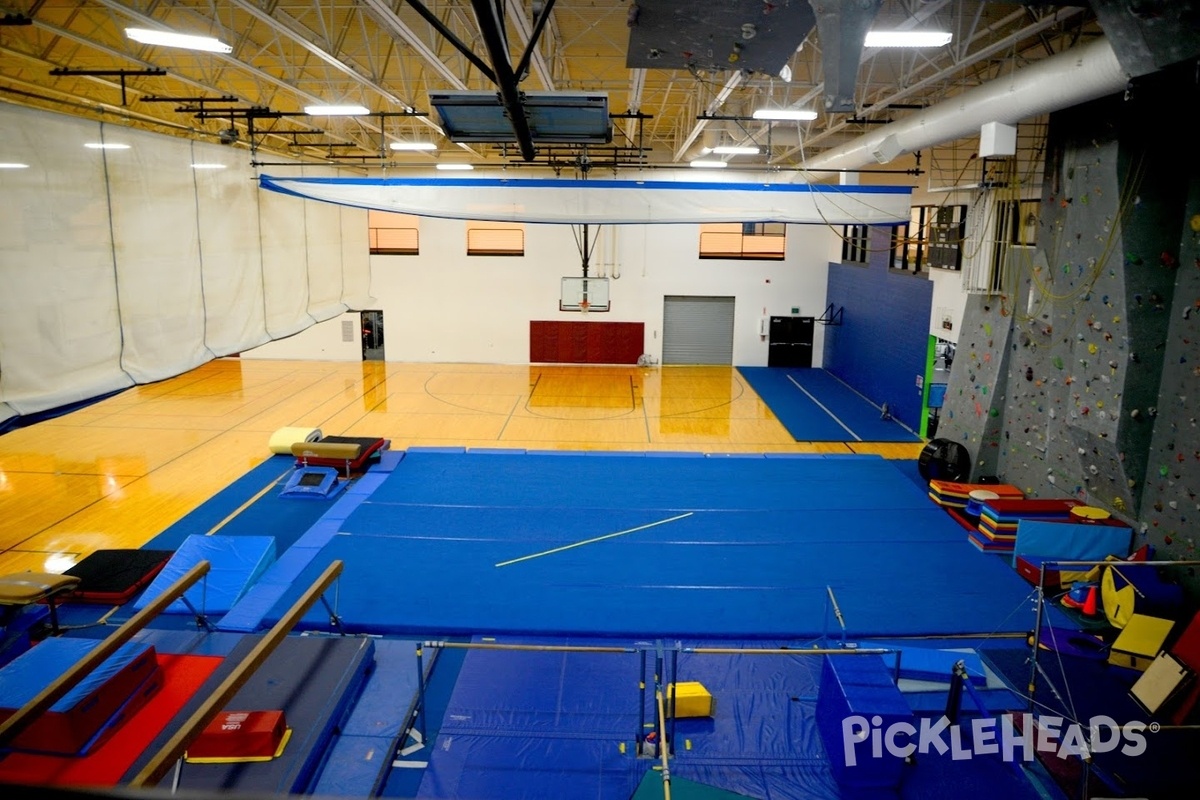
<point x="453" y="166"/>
<point x="105" y="146"/>
<point x="784" y="113"/>
<point x="907" y="39"/>
<point x="707" y="163"/>
<point x="13" y="165"/>
<point x="336" y="111"/>
<point x="413" y="146"/>
<point x="735" y="150"/>
<point x="172" y="39"/>
<point x="208" y="166"/>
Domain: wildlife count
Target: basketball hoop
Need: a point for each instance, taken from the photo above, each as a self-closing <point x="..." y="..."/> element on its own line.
<point x="583" y="306"/>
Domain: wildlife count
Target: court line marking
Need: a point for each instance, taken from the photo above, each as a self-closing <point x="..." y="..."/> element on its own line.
<point x="247" y="504"/>
<point x="868" y="400"/>
<point x="857" y="438"/>
<point x="596" y="539"/>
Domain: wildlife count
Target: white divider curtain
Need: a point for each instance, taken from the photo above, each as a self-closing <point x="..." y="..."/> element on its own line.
<point x="609" y="202"/>
<point x="126" y="266"/>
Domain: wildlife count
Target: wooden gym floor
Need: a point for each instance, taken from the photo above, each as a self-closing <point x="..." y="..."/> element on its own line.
<point x="118" y="472"/>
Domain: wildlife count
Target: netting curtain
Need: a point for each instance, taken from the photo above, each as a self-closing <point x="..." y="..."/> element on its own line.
<point x="126" y="266"/>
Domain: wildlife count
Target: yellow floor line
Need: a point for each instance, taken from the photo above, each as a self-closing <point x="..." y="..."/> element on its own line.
<point x="591" y="541"/>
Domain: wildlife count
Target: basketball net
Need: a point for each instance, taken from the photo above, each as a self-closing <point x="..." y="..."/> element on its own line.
<point x="583" y="306"/>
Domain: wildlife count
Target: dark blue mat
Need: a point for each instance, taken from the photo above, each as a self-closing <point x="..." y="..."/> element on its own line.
<point x="815" y="406"/>
<point x="315" y="681"/>
<point x="563" y="724"/>
<point x="722" y="547"/>
<point x="285" y="519"/>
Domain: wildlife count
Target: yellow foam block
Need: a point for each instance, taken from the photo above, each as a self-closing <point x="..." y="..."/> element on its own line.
<point x="691" y="699"/>
<point x="282" y="440"/>
<point x="1139" y="641"/>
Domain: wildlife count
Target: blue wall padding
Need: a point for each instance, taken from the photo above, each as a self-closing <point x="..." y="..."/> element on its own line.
<point x="881" y="346"/>
<point x="235" y="562"/>
<point x="755" y="545"/>
<point x="1070" y="541"/>
<point x="315" y="681"/>
<point x="811" y="403"/>
<point x="366" y="743"/>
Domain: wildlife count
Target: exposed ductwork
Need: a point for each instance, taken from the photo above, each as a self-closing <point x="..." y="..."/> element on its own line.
<point x="1076" y="76"/>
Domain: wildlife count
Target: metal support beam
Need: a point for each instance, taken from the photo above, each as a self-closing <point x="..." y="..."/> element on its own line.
<point x="531" y="50"/>
<point x="492" y="28"/>
<point x="402" y="30"/>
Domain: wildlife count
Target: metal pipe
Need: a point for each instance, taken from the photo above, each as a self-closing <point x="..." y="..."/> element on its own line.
<point x="420" y="711"/>
<point x="641" y="705"/>
<point x="552" y="648"/>
<point x="160" y="764"/>
<point x="857" y="651"/>
<point x="1037" y="631"/>
<point x="68" y="680"/>
<point x="666" y="769"/>
<point x="672" y="694"/>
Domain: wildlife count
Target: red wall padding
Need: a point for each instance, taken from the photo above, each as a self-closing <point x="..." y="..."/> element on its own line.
<point x="591" y="342"/>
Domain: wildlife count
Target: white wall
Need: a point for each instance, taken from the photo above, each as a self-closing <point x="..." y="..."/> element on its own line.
<point x="445" y="306"/>
<point x="949" y="300"/>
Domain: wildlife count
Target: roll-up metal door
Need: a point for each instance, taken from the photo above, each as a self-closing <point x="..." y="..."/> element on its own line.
<point x="697" y="330"/>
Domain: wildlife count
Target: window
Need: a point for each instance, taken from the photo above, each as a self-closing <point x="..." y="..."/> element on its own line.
<point x="495" y="238"/>
<point x="758" y="241"/>
<point x="932" y="237"/>
<point x="1023" y="222"/>
<point x="947" y="229"/>
<point x="393" y="234"/>
<point x="854" y="244"/>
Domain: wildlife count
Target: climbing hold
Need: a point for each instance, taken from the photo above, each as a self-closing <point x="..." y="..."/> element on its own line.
<point x="1058" y="362"/>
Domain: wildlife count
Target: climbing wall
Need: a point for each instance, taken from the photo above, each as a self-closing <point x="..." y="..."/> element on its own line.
<point x="972" y="411"/>
<point x="1170" y="508"/>
<point x="1078" y="378"/>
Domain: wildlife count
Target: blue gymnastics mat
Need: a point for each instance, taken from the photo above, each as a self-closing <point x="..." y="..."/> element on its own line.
<point x="540" y="724"/>
<point x="458" y="544"/>
<point x="230" y="512"/>
<point x="815" y="406"/>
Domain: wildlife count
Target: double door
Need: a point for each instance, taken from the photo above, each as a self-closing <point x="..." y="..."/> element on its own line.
<point x="791" y="342"/>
